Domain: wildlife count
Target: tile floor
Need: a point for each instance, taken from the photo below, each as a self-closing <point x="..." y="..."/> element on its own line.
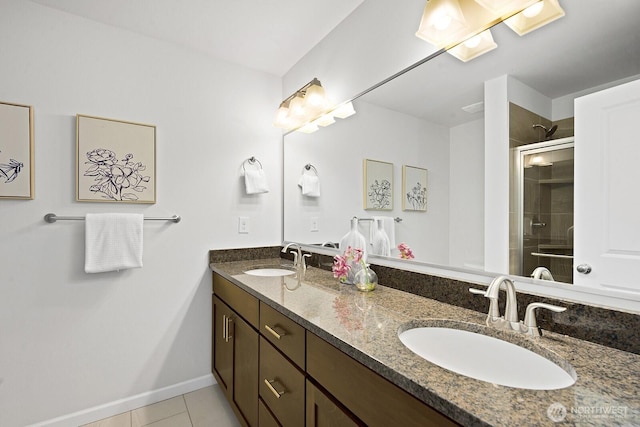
<point x="206" y="407"/>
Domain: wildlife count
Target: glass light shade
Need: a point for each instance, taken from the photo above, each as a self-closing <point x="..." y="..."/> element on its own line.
<point x="344" y="111"/>
<point x="506" y="8"/>
<point x="324" y="120"/>
<point x="523" y="24"/>
<point x="296" y="107"/>
<point x="474" y="47"/>
<point x="309" y="128"/>
<point x="281" y="117"/>
<point x="441" y="23"/>
<point x="466" y="18"/>
<point x="315" y="98"/>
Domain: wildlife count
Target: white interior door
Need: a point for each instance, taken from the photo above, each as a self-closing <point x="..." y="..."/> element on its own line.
<point x="607" y="189"/>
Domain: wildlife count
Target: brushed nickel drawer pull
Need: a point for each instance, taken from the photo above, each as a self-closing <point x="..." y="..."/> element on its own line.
<point x="278" y="334"/>
<point x="229" y="336"/>
<point x="275" y="392"/>
<point x="224" y="327"/>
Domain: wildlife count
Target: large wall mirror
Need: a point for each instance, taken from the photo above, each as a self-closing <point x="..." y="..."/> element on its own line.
<point x="434" y="118"/>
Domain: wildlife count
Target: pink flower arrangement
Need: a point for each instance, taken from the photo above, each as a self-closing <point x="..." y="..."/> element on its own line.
<point x="342" y="263"/>
<point x="405" y="251"/>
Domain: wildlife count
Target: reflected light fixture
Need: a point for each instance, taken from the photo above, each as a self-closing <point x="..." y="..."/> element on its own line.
<point x="460" y="26"/>
<point x="535" y="16"/>
<point x="308" y="108"/>
<point x="474" y="47"/>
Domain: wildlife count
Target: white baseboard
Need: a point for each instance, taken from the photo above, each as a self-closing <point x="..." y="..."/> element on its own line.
<point x="127" y="404"/>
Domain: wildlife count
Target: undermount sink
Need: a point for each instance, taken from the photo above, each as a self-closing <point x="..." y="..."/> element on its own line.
<point x="270" y="272"/>
<point x="486" y="358"/>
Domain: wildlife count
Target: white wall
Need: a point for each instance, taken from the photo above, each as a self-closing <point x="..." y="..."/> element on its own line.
<point x="466" y="196"/>
<point x="338" y="152"/>
<point x="69" y="340"/>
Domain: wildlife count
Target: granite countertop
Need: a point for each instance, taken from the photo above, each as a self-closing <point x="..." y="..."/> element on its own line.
<point x="366" y="325"/>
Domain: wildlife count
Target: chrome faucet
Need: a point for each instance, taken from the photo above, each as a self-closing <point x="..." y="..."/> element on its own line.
<point x="542" y="273"/>
<point x="510" y="319"/>
<point x="298" y="258"/>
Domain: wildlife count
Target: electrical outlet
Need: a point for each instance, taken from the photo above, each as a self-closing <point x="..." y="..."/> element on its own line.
<point x="243" y="225"/>
<point x="314" y="223"/>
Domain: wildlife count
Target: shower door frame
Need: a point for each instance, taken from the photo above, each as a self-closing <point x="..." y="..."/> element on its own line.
<point x="519" y="153"/>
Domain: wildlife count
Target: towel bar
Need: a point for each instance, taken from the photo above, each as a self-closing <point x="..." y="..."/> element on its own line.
<point x="51" y="218"/>
<point x="396" y="219"/>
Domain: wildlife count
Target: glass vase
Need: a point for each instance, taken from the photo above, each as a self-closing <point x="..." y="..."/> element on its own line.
<point x="366" y="279"/>
<point x="354" y="239"/>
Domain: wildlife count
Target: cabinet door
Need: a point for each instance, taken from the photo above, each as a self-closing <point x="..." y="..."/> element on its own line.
<point x="222" y="347"/>
<point x="323" y="412"/>
<point x="245" y="370"/>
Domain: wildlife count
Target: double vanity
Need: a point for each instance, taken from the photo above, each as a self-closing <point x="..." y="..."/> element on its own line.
<point x="296" y="347"/>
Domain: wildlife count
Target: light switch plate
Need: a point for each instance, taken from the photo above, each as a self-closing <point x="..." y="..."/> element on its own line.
<point x="243" y="225"/>
<point x="314" y="223"/>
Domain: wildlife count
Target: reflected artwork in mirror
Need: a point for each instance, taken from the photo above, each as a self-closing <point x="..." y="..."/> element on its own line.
<point x="442" y="117"/>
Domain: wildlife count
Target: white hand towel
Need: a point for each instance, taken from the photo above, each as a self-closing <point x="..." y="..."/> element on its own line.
<point x="310" y="185"/>
<point x="255" y="181"/>
<point x="112" y="242"/>
<point x="380" y="241"/>
<point x="389" y="226"/>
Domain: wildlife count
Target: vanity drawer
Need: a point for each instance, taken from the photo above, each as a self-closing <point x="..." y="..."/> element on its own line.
<point x="281" y="386"/>
<point x="240" y="301"/>
<point x="366" y="394"/>
<point x="285" y="334"/>
<point x="265" y="419"/>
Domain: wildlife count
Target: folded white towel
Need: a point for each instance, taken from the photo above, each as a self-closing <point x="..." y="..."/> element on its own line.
<point x="112" y="242"/>
<point x="389" y="227"/>
<point x="255" y="181"/>
<point x="310" y="185"/>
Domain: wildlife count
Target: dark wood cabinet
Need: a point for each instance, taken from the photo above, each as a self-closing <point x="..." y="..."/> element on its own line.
<point x="323" y="411"/>
<point x="235" y="359"/>
<point x="274" y="372"/>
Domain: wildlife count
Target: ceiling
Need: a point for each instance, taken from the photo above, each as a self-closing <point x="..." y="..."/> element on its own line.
<point x="267" y="35"/>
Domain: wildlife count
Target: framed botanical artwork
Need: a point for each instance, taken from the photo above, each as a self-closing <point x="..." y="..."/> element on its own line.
<point x="378" y="185"/>
<point x="16" y="151"/>
<point x="414" y="188"/>
<point x="116" y="161"/>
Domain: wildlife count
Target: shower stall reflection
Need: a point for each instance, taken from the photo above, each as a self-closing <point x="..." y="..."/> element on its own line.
<point x="545" y="209"/>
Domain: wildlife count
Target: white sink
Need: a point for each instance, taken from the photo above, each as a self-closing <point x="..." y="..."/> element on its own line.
<point x="270" y="272"/>
<point x="486" y="358"/>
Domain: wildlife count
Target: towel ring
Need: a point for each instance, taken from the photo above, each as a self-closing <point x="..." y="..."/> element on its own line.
<point x="308" y="167"/>
<point x="251" y="160"/>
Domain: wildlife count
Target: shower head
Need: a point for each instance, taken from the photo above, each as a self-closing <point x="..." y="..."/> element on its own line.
<point x="547" y="132"/>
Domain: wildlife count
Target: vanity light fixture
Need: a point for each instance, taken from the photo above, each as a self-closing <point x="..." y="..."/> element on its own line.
<point x="308" y="108"/>
<point x="504" y="8"/>
<point x="474" y="47"/>
<point x="461" y="26"/>
<point x="535" y="16"/>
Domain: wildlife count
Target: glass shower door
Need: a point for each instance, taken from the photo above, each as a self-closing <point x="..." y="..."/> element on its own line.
<point x="546" y="208"/>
